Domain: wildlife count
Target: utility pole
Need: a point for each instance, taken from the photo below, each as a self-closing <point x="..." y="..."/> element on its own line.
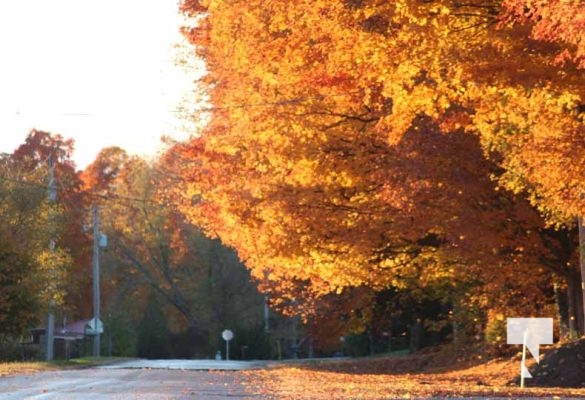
<point x="96" y="281"/>
<point x="50" y="329"/>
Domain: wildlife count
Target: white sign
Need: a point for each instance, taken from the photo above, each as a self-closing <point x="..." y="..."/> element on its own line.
<point x="227" y="335"/>
<point x="90" y="327"/>
<point x="529" y="332"/>
<point x="103" y="240"/>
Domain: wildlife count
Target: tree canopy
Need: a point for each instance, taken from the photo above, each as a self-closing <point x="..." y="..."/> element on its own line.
<point x="374" y="143"/>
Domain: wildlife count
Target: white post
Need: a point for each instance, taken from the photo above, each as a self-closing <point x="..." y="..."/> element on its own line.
<point x="523" y="364"/>
<point x="227" y="335"/>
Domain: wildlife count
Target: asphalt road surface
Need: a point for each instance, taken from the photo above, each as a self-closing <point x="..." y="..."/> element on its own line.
<point x="141" y="379"/>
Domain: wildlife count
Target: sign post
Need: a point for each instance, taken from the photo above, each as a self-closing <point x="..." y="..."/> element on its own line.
<point x="523" y="364"/>
<point x="530" y="333"/>
<point x="227" y="335"/>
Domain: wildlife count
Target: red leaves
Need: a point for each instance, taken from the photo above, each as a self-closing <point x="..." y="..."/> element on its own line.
<point x="556" y="21"/>
<point x="102" y="172"/>
<point x="193" y="8"/>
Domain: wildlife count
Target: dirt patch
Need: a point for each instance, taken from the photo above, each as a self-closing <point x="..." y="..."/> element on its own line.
<point x="371" y="366"/>
<point x="560" y="366"/>
<point x="340" y="381"/>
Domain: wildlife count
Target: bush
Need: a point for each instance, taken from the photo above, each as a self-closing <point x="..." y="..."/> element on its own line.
<point x="10" y="349"/>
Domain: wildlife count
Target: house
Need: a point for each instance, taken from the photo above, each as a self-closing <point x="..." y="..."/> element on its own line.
<point x="69" y="340"/>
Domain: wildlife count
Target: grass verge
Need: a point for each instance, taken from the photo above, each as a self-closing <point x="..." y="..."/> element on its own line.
<point x="13" y="368"/>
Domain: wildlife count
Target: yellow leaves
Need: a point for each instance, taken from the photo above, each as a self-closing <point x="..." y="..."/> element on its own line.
<point x="278" y="22"/>
<point x="395" y="262"/>
<point x="341" y="179"/>
<point x="301" y="179"/>
<point x="535" y="131"/>
<point x="304" y="172"/>
<point x="443" y="10"/>
<point x="52" y="273"/>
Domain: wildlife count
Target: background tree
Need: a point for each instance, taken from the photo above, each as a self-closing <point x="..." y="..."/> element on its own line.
<point x="19" y="300"/>
<point x="197" y="285"/>
<point x="31" y="220"/>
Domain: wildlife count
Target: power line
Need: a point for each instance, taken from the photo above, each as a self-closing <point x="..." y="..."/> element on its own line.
<point x="89" y="194"/>
<point x="192" y="110"/>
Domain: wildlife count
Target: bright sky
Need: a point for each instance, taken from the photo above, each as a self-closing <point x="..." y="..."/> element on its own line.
<point x="100" y="72"/>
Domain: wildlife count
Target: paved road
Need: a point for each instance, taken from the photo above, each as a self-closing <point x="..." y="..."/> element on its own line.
<point x="194" y="365"/>
<point x="142" y="379"/>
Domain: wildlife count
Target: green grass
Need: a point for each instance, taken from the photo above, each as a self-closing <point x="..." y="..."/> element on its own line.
<point x="84" y="361"/>
<point x="13" y="368"/>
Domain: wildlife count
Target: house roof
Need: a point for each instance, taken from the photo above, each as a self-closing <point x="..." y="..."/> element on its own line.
<point x="73" y="330"/>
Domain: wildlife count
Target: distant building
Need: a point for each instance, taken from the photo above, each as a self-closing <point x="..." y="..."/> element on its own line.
<point x="71" y="340"/>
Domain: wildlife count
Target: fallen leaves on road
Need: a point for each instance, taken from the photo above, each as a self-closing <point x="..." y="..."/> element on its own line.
<point x="344" y="380"/>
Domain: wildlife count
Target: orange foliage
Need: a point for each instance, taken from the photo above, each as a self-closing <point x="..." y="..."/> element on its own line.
<point x="337" y="154"/>
<point x="70" y="262"/>
<point x="557" y="21"/>
<point x="102" y="172"/>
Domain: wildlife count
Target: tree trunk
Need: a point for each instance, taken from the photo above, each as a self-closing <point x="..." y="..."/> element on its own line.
<point x="575" y="304"/>
<point x="455" y="326"/>
<point x="582" y="270"/>
<point x="415" y="330"/>
<point x="561" y="300"/>
<point x="370" y="341"/>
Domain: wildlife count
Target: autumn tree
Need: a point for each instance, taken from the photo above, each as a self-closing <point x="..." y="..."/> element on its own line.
<point x="71" y="206"/>
<point x="156" y="256"/>
<point x="19" y="300"/>
<point x="358" y="142"/>
<point x="101" y="174"/>
<point x="30" y="221"/>
<point x="480" y="67"/>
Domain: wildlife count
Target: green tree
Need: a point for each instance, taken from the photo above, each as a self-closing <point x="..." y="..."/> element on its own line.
<point x="19" y="302"/>
<point x="43" y="244"/>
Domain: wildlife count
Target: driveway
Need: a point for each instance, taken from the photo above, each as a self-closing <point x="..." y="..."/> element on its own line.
<point x="141" y="379"/>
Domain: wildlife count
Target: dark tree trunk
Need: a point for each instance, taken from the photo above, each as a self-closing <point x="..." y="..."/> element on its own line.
<point x="581" y="229"/>
<point x="561" y="300"/>
<point x="575" y="302"/>
<point x="415" y="330"/>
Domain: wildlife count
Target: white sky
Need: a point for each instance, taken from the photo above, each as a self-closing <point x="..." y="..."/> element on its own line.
<point x="100" y="72"/>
